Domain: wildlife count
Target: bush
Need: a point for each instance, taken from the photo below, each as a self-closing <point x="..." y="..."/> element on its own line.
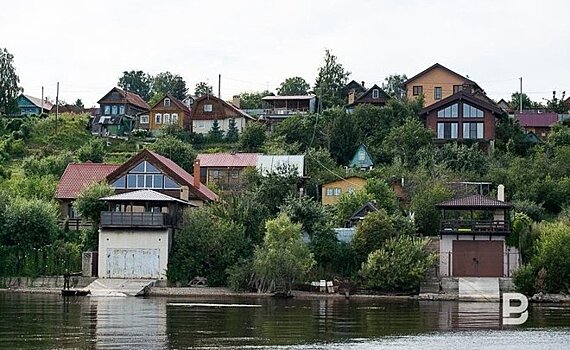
<point x="88" y="203"/>
<point x="93" y="151"/>
<point x="371" y="234"/>
<point x="54" y="165"/>
<point x="423" y="204"/>
<point x="399" y="266"/>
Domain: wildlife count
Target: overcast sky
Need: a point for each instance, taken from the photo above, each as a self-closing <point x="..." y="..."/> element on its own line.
<point x="255" y="45"/>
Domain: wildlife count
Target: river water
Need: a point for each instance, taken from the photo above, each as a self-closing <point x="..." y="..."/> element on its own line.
<point x="33" y="321"/>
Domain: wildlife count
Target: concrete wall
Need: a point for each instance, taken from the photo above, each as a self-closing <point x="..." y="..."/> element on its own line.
<point x="43" y="282"/>
<point x="142" y="240"/>
<point x="446" y="251"/>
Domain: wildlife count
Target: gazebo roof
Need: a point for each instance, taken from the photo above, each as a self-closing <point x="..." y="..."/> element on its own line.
<point x="474" y="202"/>
<point x="143" y="196"/>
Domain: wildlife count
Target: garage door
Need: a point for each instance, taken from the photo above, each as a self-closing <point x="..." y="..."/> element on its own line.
<point x="478" y="258"/>
<point x="133" y="263"/>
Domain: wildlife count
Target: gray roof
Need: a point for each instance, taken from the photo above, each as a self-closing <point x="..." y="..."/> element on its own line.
<point x="278" y="97"/>
<point x="142" y="196"/>
<point x="475" y="201"/>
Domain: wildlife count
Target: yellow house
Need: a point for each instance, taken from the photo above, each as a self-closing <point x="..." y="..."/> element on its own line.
<point x="331" y="191"/>
<point x="436" y="83"/>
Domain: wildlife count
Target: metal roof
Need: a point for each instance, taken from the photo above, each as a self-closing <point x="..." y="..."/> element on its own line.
<point x="223" y="160"/>
<point x="142" y="196"/>
<point x="300" y="97"/>
<point x="475" y="201"/>
<point x="78" y="176"/>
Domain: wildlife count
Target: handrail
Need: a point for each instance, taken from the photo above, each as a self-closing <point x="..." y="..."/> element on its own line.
<point x="474" y="226"/>
<point x="133" y="219"/>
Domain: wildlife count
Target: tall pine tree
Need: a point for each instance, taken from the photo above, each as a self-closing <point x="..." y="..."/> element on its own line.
<point x="232" y="133"/>
<point x="216" y="134"/>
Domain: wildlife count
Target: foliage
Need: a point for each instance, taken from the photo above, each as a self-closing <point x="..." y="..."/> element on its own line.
<point x="399" y="266"/>
<point x="232" y="135"/>
<point x="206" y="246"/>
<point x="203" y="88"/>
<point x="522" y="235"/>
<point x="168" y="83"/>
<point x="138" y="82"/>
<point x="557" y="105"/>
<point x="252" y="137"/>
<point x="423" y="204"/>
<point x="272" y="189"/>
<point x="396" y="86"/>
<point x="403" y="141"/>
<point x="342" y="134"/>
<point x="371" y="234"/>
<point x="382" y="194"/>
<point x="527" y="103"/>
<point x="331" y="79"/>
<point x="40" y="187"/>
<point x="252" y="100"/>
<point x="348" y="203"/>
<point x="215" y="134"/>
<point x="93" y="151"/>
<point x="534" y="211"/>
<point x="88" y="203"/>
<point x="179" y="152"/>
<point x="294" y="86"/>
<point x="559" y="136"/>
<point x="9" y="81"/>
<point x="283" y="257"/>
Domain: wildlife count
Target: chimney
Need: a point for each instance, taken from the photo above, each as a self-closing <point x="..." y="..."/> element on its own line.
<point x="236" y="101"/>
<point x="501" y="193"/>
<point x="351" y="96"/>
<point x="184" y="193"/>
<point x="362" y="83"/>
<point x="197" y="173"/>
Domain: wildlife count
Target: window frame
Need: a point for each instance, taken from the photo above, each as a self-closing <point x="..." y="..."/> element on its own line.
<point x="208" y="108"/>
<point x="437" y="93"/>
<point x="417" y="90"/>
<point x="166" y="99"/>
<point x="158" y="118"/>
<point x="457" y="88"/>
<point x="375" y="94"/>
<point x="144" y="119"/>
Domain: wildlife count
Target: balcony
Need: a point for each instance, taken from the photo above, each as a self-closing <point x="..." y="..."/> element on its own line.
<point x="115" y="219"/>
<point x="475" y="227"/>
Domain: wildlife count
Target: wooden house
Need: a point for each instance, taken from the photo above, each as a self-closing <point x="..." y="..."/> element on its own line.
<point x="537" y="123"/>
<point x="167" y="111"/>
<point x="29" y="105"/>
<point x="437" y="83"/>
<point x="374" y="96"/>
<point x="226" y="171"/>
<point x="207" y="109"/>
<point x="278" y="108"/>
<point x="361" y="159"/>
<point x="331" y="191"/>
<point x="119" y="111"/>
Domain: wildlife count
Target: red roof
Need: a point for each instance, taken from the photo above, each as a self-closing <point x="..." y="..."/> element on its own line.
<point x="228" y="160"/>
<point x="136" y="100"/>
<point x="474" y="201"/>
<point x="78" y="176"/>
<point x="544" y="120"/>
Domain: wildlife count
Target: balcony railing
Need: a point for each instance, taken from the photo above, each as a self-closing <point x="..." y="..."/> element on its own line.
<point x="475" y="227"/>
<point x="134" y="219"/>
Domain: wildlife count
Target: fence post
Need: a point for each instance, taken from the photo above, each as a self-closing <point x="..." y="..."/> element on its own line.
<point x="448" y="264"/>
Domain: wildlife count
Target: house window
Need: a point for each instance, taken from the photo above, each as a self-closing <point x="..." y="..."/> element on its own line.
<point x="73" y="213"/>
<point x="457" y="88"/>
<point x="337" y="191"/>
<point x="235" y="174"/>
<point x="375" y="94"/>
<point x="121" y="109"/>
<point x="437" y="93"/>
<point x="446" y="131"/>
<point x="472" y="112"/>
<point x="208" y="108"/>
<point x="166" y="118"/>
<point x="417" y="90"/>
<point x="330" y="191"/>
<point x="144" y="119"/>
<point x="361" y="156"/>
<point x="174" y="118"/>
<point x="158" y="118"/>
<point x="114" y="110"/>
<point x="448" y="112"/>
<point x="145" y="175"/>
<point x="167" y="102"/>
<point x="350" y="190"/>
<point x="473" y="131"/>
<point x="107" y="110"/>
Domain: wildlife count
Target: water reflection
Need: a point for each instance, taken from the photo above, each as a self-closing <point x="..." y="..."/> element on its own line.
<point x="49" y="321"/>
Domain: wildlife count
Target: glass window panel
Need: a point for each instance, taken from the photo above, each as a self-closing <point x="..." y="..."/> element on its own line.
<point x="157" y="181"/>
<point x="329" y="191"/>
<point x="440" y="127"/>
<point x="473" y="130"/>
<point x="170" y="184"/>
<point x="465" y="130"/>
<point x="479" y="130"/>
<point x="151" y="168"/>
<point x="107" y="110"/>
<point x="140" y="181"/>
<point x="453" y="130"/>
<point x="114" y="110"/>
<point x="138" y="169"/>
<point x="131" y="181"/>
<point x="148" y="181"/>
<point x="119" y="183"/>
<point x="121" y="109"/>
<point x="454" y="108"/>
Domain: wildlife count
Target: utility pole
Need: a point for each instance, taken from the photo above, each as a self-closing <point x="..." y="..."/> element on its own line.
<point x="520" y="97"/>
<point x="56" y="106"/>
<point x="219" y="86"/>
<point x="42" y="101"/>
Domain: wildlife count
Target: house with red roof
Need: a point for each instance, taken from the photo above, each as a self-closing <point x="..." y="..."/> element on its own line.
<point x="226" y="171"/>
<point x="537" y="123"/>
<point x="208" y="109"/>
<point x="118" y="113"/>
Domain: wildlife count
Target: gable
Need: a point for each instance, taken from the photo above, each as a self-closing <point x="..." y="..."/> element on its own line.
<point x="209" y="107"/>
<point x="438" y="75"/>
<point x="145" y="175"/>
<point x="23" y="101"/>
<point x="374" y="95"/>
<point x="113" y="96"/>
<point x="353" y="180"/>
<point x="361" y="158"/>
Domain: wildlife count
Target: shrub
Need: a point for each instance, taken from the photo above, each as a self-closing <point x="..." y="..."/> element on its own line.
<point x="93" y="151"/>
<point x="376" y="228"/>
<point x="88" y="203"/>
<point x="399" y="266"/>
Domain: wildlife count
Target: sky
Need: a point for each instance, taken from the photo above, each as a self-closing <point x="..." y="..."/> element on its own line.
<point x="255" y="45"/>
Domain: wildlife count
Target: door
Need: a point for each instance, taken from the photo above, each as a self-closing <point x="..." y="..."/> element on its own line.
<point x="478" y="258"/>
<point x="133" y="263"/>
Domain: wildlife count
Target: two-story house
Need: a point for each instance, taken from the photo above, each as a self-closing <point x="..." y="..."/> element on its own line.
<point x="438" y="82"/>
<point x="29" y="105"/>
<point x="208" y="108"/>
<point x="119" y="110"/>
<point x="226" y="171"/>
<point x="373" y="96"/>
<point x="167" y="111"/>
<point x="278" y="108"/>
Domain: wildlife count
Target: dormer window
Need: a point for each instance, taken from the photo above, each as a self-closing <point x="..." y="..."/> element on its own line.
<point x="207" y="108"/>
<point x="376" y="94"/>
<point x="167" y="102"/>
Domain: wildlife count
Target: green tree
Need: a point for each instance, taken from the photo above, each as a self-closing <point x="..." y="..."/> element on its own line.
<point x="252" y="100"/>
<point x="138" y="82"/>
<point x="376" y="228"/>
<point x="93" y="151"/>
<point x="399" y="266"/>
<point x="331" y="79"/>
<point x="203" y="88"/>
<point x="423" y="204"/>
<point x="179" y="152"/>
<point x="347" y="204"/>
<point x="79" y="103"/>
<point x="252" y="137"/>
<point x="9" y="81"/>
<point x="216" y="134"/>
<point x="294" y="86"/>
<point x="168" y="83"/>
<point x="342" y="134"/>
<point x="527" y="103"/>
<point x="396" y="86"/>
<point x="283" y="257"/>
<point x="556" y="104"/>
<point x="403" y="141"/>
<point x="88" y="203"/>
<point x="382" y="194"/>
<point x="272" y="189"/>
<point x="232" y="134"/>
